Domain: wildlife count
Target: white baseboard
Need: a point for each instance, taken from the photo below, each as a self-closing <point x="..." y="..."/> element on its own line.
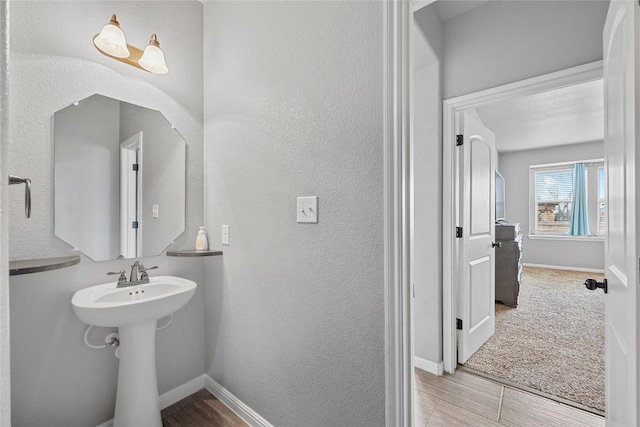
<point x="174" y="395"/>
<point x="560" y="267"/>
<point x="250" y="416"/>
<point x="428" y="366"/>
<point x="187" y="389"/>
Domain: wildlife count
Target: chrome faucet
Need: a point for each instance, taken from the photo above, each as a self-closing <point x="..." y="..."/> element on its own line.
<point x="136" y="268"/>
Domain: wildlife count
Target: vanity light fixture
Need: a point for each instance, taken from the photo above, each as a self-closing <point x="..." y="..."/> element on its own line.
<point x="112" y="43"/>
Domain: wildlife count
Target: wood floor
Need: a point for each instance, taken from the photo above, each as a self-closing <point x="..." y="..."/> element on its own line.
<point x="466" y="399"/>
<point x="201" y="409"/>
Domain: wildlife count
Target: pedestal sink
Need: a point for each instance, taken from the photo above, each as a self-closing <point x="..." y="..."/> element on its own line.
<point x="135" y="311"/>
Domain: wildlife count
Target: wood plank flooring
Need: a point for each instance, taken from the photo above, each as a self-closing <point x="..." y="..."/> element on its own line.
<point x="465" y="399"/>
<point x="201" y="409"/>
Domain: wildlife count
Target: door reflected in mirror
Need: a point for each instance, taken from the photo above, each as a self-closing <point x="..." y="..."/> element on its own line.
<point x="119" y="179"/>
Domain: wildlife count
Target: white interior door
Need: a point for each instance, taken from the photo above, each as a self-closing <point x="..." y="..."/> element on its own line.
<point x="621" y="262"/>
<point x="129" y="196"/>
<point x="476" y="272"/>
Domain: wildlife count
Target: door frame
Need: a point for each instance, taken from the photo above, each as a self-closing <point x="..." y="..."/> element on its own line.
<point x="5" y="351"/>
<point x="450" y="179"/>
<point x="396" y="115"/>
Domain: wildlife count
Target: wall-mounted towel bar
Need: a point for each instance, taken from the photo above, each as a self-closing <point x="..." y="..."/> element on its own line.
<point x="27" y="192"/>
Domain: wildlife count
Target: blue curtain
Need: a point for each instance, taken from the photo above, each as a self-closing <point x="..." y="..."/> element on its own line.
<point x="579" y="220"/>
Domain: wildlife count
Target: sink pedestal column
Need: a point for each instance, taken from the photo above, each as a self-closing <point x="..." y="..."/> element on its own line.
<point x="137" y="401"/>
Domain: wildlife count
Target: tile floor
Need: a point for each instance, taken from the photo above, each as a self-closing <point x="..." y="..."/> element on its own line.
<point x="466" y="399"/>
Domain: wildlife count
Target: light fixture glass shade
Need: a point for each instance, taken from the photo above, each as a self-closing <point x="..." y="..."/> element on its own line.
<point x="152" y="58"/>
<point x="111" y="40"/>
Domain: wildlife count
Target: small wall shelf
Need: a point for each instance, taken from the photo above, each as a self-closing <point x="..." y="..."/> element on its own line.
<point x="28" y="266"/>
<point x="193" y="252"/>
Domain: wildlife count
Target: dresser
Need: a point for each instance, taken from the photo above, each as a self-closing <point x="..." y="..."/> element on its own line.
<point x="508" y="263"/>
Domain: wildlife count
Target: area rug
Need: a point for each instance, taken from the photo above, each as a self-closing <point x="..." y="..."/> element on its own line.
<point x="553" y="341"/>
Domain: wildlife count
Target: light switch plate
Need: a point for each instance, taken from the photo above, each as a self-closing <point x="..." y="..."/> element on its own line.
<point x="155" y="211"/>
<point x="225" y="235"/>
<point x="307" y="209"/>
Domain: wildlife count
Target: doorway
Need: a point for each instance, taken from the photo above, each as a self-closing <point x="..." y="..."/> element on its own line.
<point x="452" y="107"/>
<point x="453" y="296"/>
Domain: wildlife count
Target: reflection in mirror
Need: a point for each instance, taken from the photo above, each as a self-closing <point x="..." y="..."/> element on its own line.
<point x="119" y="179"/>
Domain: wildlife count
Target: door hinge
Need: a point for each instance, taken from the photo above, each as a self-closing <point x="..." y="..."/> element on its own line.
<point x="460" y="138"/>
<point x="135" y="167"/>
<point x="459" y="324"/>
<point x="134" y="224"/>
<point x="458" y="232"/>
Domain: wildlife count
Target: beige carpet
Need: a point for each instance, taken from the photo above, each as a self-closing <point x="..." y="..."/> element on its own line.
<point x="554" y="341"/>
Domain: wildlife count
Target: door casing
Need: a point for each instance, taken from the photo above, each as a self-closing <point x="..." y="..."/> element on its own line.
<point x="451" y="182"/>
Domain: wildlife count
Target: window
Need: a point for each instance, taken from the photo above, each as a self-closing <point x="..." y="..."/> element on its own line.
<point x="554" y="192"/>
<point x="552" y="197"/>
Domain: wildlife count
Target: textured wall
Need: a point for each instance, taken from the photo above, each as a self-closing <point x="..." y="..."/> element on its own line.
<point x="5" y="383"/>
<point x="506" y="41"/>
<point x="514" y="167"/>
<point x="53" y="62"/>
<point x="293" y="107"/>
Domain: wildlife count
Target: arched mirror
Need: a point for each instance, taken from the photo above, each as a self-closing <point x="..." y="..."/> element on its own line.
<point x="119" y="179"/>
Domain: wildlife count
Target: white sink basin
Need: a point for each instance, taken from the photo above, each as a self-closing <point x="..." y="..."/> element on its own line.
<point x="106" y="305"/>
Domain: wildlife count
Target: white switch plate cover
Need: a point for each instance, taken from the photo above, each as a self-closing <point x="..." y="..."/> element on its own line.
<point x="307" y="209"/>
<point x="225" y="235"/>
<point x="155" y="211"/>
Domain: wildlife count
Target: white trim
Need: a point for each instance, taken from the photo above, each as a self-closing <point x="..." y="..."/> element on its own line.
<point x="449" y="243"/>
<point x="571" y="76"/>
<point x="250" y="416"/>
<point x="167" y="399"/>
<point x="560" y="267"/>
<point x="429" y="366"/>
<point x="177" y="394"/>
<point x="559" y="79"/>
<point x="396" y="109"/>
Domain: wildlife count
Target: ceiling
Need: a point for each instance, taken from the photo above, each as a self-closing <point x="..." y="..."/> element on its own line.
<point x="448" y="9"/>
<point x="568" y="115"/>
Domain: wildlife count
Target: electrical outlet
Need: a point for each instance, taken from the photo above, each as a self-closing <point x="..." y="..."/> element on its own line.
<point x="307" y="209"/>
<point x="225" y="235"/>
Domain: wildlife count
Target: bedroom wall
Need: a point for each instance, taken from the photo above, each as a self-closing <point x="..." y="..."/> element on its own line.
<point x="514" y="167"/>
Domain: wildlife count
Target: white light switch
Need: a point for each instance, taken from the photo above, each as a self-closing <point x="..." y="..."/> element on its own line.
<point x="225" y="235"/>
<point x="307" y="208"/>
<point x="155" y="211"/>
